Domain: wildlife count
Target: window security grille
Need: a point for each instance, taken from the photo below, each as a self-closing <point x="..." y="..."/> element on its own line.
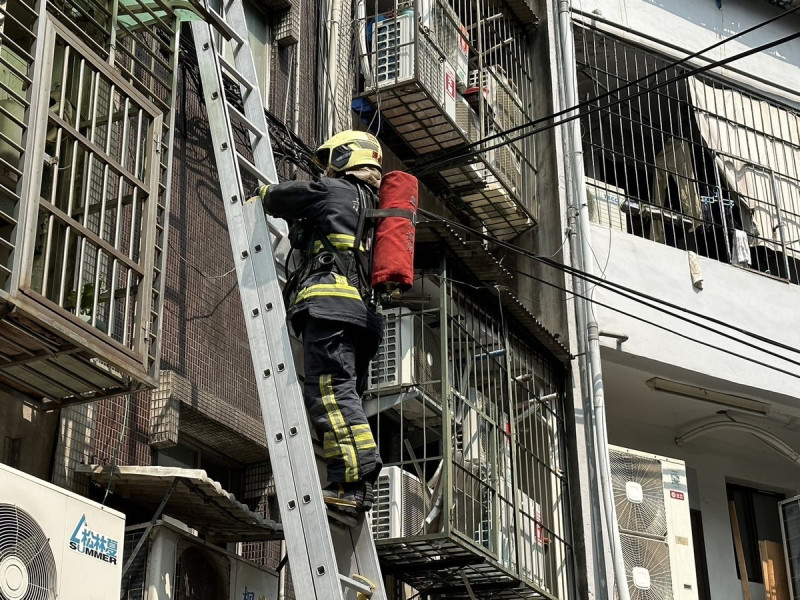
<point x="688" y="162"/>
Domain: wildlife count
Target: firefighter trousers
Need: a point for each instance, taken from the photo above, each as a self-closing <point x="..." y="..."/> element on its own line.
<point x="336" y="357"/>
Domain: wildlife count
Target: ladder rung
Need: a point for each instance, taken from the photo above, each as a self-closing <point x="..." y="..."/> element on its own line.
<point x="251" y="127"/>
<point x="356" y="585"/>
<point x="233" y="72"/>
<point x="221" y="25"/>
<point x="229" y="32"/>
<point x="251" y="168"/>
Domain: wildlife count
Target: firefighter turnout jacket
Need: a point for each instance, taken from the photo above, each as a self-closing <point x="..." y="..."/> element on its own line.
<point x="331" y="208"/>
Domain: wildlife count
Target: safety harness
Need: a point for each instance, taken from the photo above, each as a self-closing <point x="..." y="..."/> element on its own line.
<point x="353" y="263"/>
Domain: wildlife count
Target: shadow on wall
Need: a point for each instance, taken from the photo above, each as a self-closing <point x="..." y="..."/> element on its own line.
<point x="733" y="17"/>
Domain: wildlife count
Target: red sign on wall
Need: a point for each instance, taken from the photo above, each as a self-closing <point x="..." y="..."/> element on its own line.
<point x="676" y="495"/>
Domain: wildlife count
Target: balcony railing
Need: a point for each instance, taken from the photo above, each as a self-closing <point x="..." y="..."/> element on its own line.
<point x="695" y="164"/>
<point x="470" y="422"/>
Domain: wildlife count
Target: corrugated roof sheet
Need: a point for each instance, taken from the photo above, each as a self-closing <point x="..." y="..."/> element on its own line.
<point x="198" y="501"/>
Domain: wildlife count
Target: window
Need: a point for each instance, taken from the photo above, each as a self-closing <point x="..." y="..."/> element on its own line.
<point x="12" y="451"/>
<point x="759" y="520"/>
<point x="688" y="162"/>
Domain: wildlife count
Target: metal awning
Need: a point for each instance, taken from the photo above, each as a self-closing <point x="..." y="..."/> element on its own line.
<point x="192" y="497"/>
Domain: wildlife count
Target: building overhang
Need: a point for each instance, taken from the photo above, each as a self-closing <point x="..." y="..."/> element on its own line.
<point x="191" y="497"/>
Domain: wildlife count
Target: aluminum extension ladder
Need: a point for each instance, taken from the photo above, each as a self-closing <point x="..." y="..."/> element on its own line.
<point x="329" y="559"/>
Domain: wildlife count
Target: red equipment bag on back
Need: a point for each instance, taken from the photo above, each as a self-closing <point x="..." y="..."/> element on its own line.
<point x="393" y="254"/>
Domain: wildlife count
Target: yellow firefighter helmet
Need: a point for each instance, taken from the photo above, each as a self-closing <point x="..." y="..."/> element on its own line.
<point x="349" y="149"/>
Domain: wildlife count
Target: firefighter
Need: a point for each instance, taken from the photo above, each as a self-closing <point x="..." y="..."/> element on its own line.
<point x="330" y="303"/>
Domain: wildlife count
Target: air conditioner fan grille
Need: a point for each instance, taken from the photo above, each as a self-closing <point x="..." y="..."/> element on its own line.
<point x="649" y="515"/>
<point x="27" y="565"/>
<point x="653" y="556"/>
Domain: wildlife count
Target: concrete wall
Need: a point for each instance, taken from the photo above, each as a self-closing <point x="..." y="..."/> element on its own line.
<point x="696" y="25"/>
<point x="35" y="429"/>
<point x="715" y="460"/>
<point x="742" y="298"/>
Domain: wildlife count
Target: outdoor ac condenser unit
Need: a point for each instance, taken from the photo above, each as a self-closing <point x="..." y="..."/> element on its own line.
<point x="394" y="44"/>
<point x="399" y="506"/>
<point x="179" y="565"/>
<point x="604" y="204"/>
<point x="409" y="355"/>
<point x="56" y="544"/>
<point x="652" y="504"/>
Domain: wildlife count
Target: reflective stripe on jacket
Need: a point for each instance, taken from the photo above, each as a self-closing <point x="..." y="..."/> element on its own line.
<point x="333" y="205"/>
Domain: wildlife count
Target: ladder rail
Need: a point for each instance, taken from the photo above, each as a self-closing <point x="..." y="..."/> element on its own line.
<point x="313" y="560"/>
<point x="322" y="558"/>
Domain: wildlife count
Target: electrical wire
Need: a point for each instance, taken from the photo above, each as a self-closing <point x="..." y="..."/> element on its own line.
<point x="439" y="163"/>
<point x="574" y="112"/>
<point x="599" y="281"/>
<point x="639" y="297"/>
<point x="672" y="331"/>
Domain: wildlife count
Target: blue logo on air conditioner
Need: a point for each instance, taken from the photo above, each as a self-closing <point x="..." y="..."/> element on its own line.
<point x="91" y="543"/>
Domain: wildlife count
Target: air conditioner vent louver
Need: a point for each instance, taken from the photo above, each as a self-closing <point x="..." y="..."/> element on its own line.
<point x="643" y="512"/>
<point x="27" y="565"/>
<point x="409" y="355"/>
<point x="647" y="563"/>
<point x="383" y="369"/>
<point x="399" y="506"/>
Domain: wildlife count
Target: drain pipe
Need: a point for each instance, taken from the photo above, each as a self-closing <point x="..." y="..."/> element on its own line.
<point x="583" y="251"/>
<point x="334" y="18"/>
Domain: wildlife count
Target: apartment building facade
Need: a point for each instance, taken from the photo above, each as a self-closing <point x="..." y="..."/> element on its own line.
<point x="690" y="177"/>
<point x="127" y="375"/>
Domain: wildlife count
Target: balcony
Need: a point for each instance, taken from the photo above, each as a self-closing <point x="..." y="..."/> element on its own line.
<point x="696" y="164"/>
<point x="473" y="496"/>
<point x="83" y="173"/>
<point x="426" y="73"/>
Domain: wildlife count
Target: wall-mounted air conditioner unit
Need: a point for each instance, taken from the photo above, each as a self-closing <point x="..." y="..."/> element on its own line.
<point x="399" y="507"/>
<point x="652" y="504"/>
<point x="604" y="204"/>
<point x="409" y="355"/>
<point x="56" y="544"/>
<point x="179" y="565"/>
<point x="394" y="44"/>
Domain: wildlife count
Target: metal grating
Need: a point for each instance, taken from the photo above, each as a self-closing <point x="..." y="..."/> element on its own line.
<point x="638" y="493"/>
<point x="648" y="568"/>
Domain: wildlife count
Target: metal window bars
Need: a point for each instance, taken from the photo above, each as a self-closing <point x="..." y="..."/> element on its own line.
<point x="442" y="75"/>
<point x="692" y="162"/>
<point x="93" y="237"/>
<point x="85" y="153"/>
<point x="470" y="423"/>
